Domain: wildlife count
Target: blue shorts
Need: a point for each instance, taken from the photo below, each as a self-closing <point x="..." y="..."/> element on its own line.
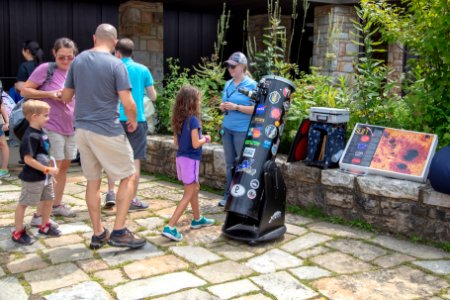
<point x="138" y="140"/>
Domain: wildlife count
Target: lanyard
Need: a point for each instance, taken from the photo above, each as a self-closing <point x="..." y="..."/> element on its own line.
<point x="227" y="90"/>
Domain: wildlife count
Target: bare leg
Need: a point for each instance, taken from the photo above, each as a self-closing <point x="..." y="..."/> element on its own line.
<point x="124" y="197"/>
<point x="18" y="216"/>
<point x="61" y="178"/>
<point x="5" y="152"/>
<point x="93" y="204"/>
<point x="189" y="191"/>
<point x="137" y="164"/>
<point x="46" y="207"/>
<point x="111" y="185"/>
<point x="194" y="202"/>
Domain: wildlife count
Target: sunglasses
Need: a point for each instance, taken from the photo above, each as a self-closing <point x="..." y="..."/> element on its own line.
<point x="231" y="67"/>
<point x="64" y="57"/>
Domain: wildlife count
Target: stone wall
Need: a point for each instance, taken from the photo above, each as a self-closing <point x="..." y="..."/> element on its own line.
<point x="143" y="23"/>
<point x="256" y="26"/>
<point x="334" y="52"/>
<point x="391" y="205"/>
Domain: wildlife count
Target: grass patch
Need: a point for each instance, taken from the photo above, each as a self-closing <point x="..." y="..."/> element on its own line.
<point x="315" y="212"/>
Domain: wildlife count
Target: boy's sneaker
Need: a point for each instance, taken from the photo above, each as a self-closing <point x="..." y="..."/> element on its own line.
<point x="49" y="230"/>
<point x="136" y="204"/>
<point x="36" y="221"/>
<point x="63" y="210"/>
<point x="4" y="173"/>
<point x="110" y="199"/>
<point x="202" y="222"/>
<point x="98" y="241"/>
<point x="172" y="234"/>
<point x="126" y="240"/>
<point x="22" y="237"/>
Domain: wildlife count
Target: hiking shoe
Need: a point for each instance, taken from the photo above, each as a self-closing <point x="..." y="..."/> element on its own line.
<point x="126" y="240"/>
<point x="49" y="230"/>
<point x="136" y="204"/>
<point x="172" y="234"/>
<point x="36" y="221"/>
<point x="4" y="173"/>
<point x="202" y="222"/>
<point x="63" y="210"/>
<point x="22" y="237"/>
<point x="222" y="203"/>
<point x="110" y="199"/>
<point x="97" y="241"/>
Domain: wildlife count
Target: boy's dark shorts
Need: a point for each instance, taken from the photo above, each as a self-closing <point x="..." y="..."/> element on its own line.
<point x="138" y="140"/>
<point x="34" y="192"/>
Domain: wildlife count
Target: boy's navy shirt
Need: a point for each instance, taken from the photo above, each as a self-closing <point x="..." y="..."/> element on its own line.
<point x="185" y="148"/>
<point x="36" y="144"/>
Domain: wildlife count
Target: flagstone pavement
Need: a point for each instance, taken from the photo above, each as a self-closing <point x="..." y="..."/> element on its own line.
<point x="314" y="260"/>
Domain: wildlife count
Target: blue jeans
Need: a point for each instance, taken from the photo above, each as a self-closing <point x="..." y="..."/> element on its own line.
<point x="233" y="141"/>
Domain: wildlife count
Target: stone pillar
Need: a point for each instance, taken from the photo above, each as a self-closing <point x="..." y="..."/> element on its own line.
<point x="143" y="23"/>
<point x="396" y="61"/>
<point x="333" y="51"/>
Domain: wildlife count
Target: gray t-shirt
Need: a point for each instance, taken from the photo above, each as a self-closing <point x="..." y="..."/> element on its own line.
<point x="97" y="77"/>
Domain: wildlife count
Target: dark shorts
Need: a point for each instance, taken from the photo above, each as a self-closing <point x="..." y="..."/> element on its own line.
<point x="138" y="140"/>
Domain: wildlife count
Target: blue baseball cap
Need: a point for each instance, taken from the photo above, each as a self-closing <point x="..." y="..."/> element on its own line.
<point x="236" y="58"/>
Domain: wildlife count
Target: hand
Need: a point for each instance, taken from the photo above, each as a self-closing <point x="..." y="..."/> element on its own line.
<point x="229" y="105"/>
<point x="53" y="171"/>
<point x="56" y="95"/>
<point x="5" y="127"/>
<point x="131" y="125"/>
<point x="207" y="138"/>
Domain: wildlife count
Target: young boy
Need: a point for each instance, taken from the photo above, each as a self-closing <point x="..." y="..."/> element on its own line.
<point x="37" y="183"/>
<point x="4" y="126"/>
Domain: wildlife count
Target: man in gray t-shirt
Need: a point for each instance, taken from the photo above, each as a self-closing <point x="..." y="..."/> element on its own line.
<point x="98" y="79"/>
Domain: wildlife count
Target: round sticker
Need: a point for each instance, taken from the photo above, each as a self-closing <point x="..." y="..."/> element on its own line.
<point x="271" y="131"/>
<point x="274" y="97"/>
<point x="237" y="190"/>
<point x="251" y="194"/>
<point x="277" y="123"/>
<point x="254" y="183"/>
<point x="274" y="149"/>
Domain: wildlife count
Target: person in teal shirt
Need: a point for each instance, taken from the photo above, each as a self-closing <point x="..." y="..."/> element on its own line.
<point x="141" y="82"/>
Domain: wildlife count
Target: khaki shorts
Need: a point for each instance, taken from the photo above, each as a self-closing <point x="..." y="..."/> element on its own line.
<point x="62" y="146"/>
<point x="110" y="153"/>
<point x="34" y="192"/>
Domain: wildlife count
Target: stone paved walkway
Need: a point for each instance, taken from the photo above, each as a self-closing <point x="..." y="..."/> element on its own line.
<point x="315" y="260"/>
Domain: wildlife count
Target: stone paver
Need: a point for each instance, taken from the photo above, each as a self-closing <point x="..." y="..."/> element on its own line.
<point x="272" y="261"/>
<point x="223" y="271"/>
<point x="306" y="241"/>
<point x="341" y="263"/>
<point x="392" y="260"/>
<point x="196" y="255"/>
<point x="159" y="285"/>
<point x="404" y="282"/>
<point x="55" y="277"/>
<point x="154" y="266"/>
<point x="192" y="294"/>
<point x="11" y="289"/>
<point x="233" y="289"/>
<point x="309" y="273"/>
<point x="416" y="250"/>
<point x="27" y="263"/>
<point x="116" y="256"/>
<point x="88" y="290"/>
<point x="356" y="248"/>
<point x="440" y="267"/>
<point x="283" y="286"/>
<point x="68" y="253"/>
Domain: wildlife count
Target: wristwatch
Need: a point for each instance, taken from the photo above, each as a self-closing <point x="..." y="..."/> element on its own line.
<point x="237" y="107"/>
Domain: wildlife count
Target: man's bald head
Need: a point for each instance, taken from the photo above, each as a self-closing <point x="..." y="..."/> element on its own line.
<point x="106" y="32"/>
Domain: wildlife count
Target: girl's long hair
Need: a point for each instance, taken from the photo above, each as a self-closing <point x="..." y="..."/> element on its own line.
<point x="187" y="103"/>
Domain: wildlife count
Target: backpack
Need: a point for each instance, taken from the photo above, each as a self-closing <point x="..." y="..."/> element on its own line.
<point x="17" y="119"/>
<point x="299" y="147"/>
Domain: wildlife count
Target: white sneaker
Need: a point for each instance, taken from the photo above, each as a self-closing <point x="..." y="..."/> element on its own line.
<point x="36" y="221"/>
<point x="64" y="211"/>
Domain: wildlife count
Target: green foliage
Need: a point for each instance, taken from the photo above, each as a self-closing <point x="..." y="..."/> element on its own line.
<point x="423" y="27"/>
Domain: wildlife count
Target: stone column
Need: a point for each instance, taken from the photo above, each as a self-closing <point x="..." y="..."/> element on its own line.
<point x="143" y="23"/>
<point x="333" y="51"/>
<point x="396" y="61"/>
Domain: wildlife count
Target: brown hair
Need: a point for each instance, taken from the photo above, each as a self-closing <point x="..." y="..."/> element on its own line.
<point x="65" y="43"/>
<point x="32" y="107"/>
<point x="125" y="46"/>
<point x="187" y="103"/>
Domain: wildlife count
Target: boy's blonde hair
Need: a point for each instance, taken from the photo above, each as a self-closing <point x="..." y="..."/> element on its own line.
<point x="31" y="107"/>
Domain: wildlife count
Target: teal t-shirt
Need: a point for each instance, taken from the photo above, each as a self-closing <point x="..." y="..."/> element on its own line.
<point x="140" y="78"/>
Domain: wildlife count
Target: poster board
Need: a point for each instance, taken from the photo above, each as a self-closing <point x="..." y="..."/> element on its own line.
<point x="389" y="152"/>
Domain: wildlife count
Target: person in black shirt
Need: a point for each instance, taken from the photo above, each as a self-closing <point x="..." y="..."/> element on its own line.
<point x="37" y="183"/>
<point x="34" y="56"/>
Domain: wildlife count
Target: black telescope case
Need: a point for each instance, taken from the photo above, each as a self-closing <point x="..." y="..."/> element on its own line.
<point x="257" y="201"/>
